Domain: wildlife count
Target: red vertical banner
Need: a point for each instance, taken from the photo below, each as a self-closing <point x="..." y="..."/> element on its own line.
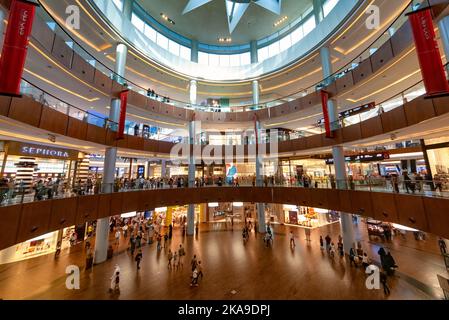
<point x="15" y="46"/>
<point x="428" y="53"/>
<point x="327" y="124"/>
<point x="122" y="119"/>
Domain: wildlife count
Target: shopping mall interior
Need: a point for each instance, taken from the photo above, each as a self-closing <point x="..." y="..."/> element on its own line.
<point x="224" y="150"/>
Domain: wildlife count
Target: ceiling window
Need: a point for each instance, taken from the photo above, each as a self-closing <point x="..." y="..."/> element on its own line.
<point x="234" y="60"/>
<point x="203" y="58"/>
<point x="224" y="60"/>
<point x="273" y="49"/>
<point x="150" y="33"/>
<point x="214" y="60"/>
<point x="162" y="41"/>
<point x="185" y="53"/>
<point x="263" y="54"/>
<point x="173" y="47"/>
<point x="285" y="43"/>
<point x="118" y="4"/>
<point x="297" y="35"/>
<point x="137" y="22"/>
<point x="309" y="25"/>
<point x="328" y="6"/>
<point x="245" y="58"/>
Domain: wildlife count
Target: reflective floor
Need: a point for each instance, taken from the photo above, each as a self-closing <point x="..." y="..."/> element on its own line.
<point x="233" y="270"/>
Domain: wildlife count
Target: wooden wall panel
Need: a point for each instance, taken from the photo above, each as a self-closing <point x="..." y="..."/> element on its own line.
<point x="130" y="201"/>
<point x="441" y="105"/>
<point x="96" y="134"/>
<point x="402" y="39"/>
<point x="53" y="121"/>
<point x="25" y="110"/>
<point x="371" y="127"/>
<point x="384" y="206"/>
<point x="393" y="120"/>
<point x="82" y="69"/>
<point x="135" y="142"/>
<point x="123" y="143"/>
<point x="104" y="205"/>
<point x="345" y="82"/>
<point x="153" y="105"/>
<point x="116" y="204"/>
<point x="165" y="147"/>
<point x="219" y="117"/>
<point x="299" y="144"/>
<point x="314" y="141"/>
<point x="337" y="139"/>
<point x="418" y="110"/>
<point x="166" y="110"/>
<point x="102" y="82"/>
<point x="437" y="213"/>
<point x="331" y="89"/>
<point x="111" y="138"/>
<point x="87" y="209"/>
<point x="411" y="211"/>
<point x="311" y="100"/>
<point x="361" y="203"/>
<point x="319" y="198"/>
<point x="150" y="145"/>
<point x="352" y="133"/>
<point x="77" y="129"/>
<point x="137" y="99"/>
<point x="62" y="52"/>
<point x="261" y="114"/>
<point x="382" y="56"/>
<point x="63" y="213"/>
<point x="345" y="200"/>
<point x="9" y="226"/>
<point x="363" y="71"/>
<point x="5" y="102"/>
<point x="35" y="220"/>
<point x="42" y="34"/>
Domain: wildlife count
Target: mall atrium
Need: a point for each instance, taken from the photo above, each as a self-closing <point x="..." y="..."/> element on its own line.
<point x="224" y="150"/>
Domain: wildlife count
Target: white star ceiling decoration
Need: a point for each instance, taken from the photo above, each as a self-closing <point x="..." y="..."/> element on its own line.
<point x="235" y="9"/>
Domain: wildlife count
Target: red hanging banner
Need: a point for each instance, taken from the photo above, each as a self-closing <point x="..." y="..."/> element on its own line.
<point x="15" y="46"/>
<point x="327" y="124"/>
<point x="428" y="53"/>
<point x="121" y="124"/>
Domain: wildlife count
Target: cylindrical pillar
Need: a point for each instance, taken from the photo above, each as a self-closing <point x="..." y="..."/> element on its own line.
<point x="192" y="167"/>
<point x="254" y="54"/>
<point x="261" y="217"/>
<point x="256" y="93"/>
<point x="347" y="230"/>
<point x="318" y="11"/>
<point x="163" y="168"/>
<point x="102" y="231"/>
<point x="194" y="51"/>
<point x="121" y="53"/>
<point x="193" y="92"/>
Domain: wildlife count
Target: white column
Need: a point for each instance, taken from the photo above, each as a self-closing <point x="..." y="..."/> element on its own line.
<point x="193" y="92"/>
<point x="191" y="210"/>
<point x="259" y="181"/>
<point x="338" y="155"/>
<point x="318" y="11"/>
<point x="102" y="230"/>
<point x="256" y="93"/>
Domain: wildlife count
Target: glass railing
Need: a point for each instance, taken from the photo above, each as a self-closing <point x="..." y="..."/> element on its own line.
<point x="80" y="50"/>
<point x="12" y="192"/>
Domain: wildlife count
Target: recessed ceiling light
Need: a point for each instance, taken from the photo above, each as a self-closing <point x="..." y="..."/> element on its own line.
<point x="280" y="21"/>
<point x="166" y="18"/>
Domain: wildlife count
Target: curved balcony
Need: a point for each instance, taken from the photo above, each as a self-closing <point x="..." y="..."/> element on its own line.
<point x="24" y="221"/>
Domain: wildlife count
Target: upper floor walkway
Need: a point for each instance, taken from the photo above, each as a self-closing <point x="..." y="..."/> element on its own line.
<point x="23" y="221"/>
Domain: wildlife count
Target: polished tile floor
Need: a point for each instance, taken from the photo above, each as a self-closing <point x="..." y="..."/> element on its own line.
<point x="232" y="270"/>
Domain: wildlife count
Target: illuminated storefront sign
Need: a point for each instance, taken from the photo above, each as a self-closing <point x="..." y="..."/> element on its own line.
<point x="39" y="151"/>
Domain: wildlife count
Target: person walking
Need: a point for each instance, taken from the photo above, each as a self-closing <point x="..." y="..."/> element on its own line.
<point x="365" y="261"/>
<point x="352" y="257"/>
<point x="194" y="262"/>
<point x="159" y="240"/>
<point x="328" y="242"/>
<point x="175" y="260"/>
<point x="115" y="280"/>
<point x="340" y="249"/>
<point x="332" y="250"/>
<point x="181" y="254"/>
<point x="199" y="267"/>
<point x="138" y="258"/>
<point x="321" y="243"/>
<point x="170" y="257"/>
<point x="194" y="281"/>
<point x="292" y="240"/>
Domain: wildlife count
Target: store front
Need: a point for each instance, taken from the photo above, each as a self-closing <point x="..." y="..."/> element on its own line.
<point x="308" y="217"/>
<point x="27" y="163"/>
<point x="45" y="244"/>
<point x="437" y="151"/>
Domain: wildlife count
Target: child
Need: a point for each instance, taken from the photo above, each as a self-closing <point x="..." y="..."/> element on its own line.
<point x="115" y="283"/>
<point x="321" y="243"/>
